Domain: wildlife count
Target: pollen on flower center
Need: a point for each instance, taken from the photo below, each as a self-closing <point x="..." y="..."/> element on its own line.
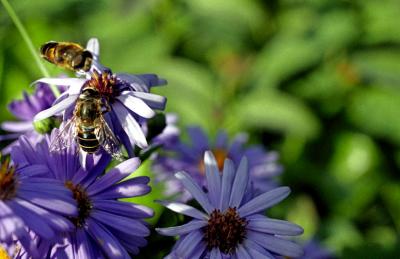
<point x="83" y="201"/>
<point x="8" y="183"/>
<point x="3" y="253"/>
<point x="103" y="82"/>
<point x="225" y="230"/>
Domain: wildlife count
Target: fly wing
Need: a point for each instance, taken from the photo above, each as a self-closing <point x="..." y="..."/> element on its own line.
<point x="107" y="139"/>
<point x="65" y="137"/>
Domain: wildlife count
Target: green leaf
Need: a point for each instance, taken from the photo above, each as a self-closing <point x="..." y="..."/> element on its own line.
<point x="375" y="111"/>
<point x="275" y="111"/>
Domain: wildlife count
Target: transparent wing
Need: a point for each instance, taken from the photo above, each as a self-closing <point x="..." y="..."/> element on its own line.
<point x="107" y="139"/>
<point x="65" y="137"/>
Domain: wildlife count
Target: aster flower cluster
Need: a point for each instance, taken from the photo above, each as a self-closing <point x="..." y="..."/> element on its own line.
<point x="63" y="196"/>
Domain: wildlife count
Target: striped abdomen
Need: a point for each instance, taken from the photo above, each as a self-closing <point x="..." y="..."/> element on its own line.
<point x="88" y="142"/>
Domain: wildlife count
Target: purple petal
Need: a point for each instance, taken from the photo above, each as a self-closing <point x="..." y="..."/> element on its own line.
<point x="53" y="220"/>
<point x="106" y="240"/>
<point x="227" y="179"/>
<point x="255" y="249"/>
<point x="273" y="226"/>
<point x="9" y="222"/>
<point x="137" y="106"/>
<point x="84" y="249"/>
<point x="189" y="244"/>
<point x="213" y="178"/>
<point x="130" y="126"/>
<point x="66" y="206"/>
<point x="115" y="175"/>
<point x="184" y="209"/>
<point x="34" y="221"/>
<point x="239" y="184"/>
<point x="242" y="253"/>
<point x="195" y="190"/>
<point x="264" y="201"/>
<point x="57" y="108"/>
<point x="136" y="82"/>
<point x="275" y="244"/>
<point x="199" y="139"/>
<point x="120" y="223"/>
<point x="127" y="189"/>
<point x="215" y="254"/>
<point x="123" y="208"/>
<point x="221" y="140"/>
<point x="183" y="229"/>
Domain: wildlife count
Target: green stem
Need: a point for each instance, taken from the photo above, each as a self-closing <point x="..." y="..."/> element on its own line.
<point x="29" y="43"/>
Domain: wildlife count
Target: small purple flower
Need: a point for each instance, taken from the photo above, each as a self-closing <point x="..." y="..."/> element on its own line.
<point x="230" y="227"/>
<point x="104" y="227"/>
<point x="313" y="250"/>
<point x="179" y="156"/>
<point x="30" y="201"/>
<point x="25" y="110"/>
<point x="128" y="96"/>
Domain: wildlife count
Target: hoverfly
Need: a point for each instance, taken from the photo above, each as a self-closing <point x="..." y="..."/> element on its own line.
<point x="87" y="125"/>
<point x="67" y="55"/>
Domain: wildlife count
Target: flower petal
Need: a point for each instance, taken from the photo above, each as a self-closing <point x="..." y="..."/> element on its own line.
<point x="136" y="82"/>
<point x="228" y="175"/>
<point x="123" y="208"/>
<point x="115" y="175"/>
<point x="213" y="178"/>
<point x="273" y="226"/>
<point x="195" y="190"/>
<point x="130" y="188"/>
<point x="184" y="209"/>
<point x="17" y="126"/>
<point x="183" y="229"/>
<point x="61" y="81"/>
<point x="215" y="254"/>
<point x="264" y="201"/>
<point x="93" y="46"/>
<point x="199" y="139"/>
<point x="137" y="106"/>
<point x="120" y="223"/>
<point x="57" y="108"/>
<point x="242" y="253"/>
<point x="255" y="249"/>
<point x="155" y="101"/>
<point x="275" y="244"/>
<point x="130" y="126"/>
<point x="239" y="184"/>
<point x="189" y="244"/>
<point x="110" y="245"/>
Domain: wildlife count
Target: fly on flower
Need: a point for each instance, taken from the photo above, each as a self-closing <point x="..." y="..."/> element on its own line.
<point x="67" y="55"/>
<point x="128" y="97"/>
<point x="87" y="125"/>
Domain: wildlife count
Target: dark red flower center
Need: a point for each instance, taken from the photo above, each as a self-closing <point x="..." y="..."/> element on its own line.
<point x="104" y="83"/>
<point x="225" y="230"/>
<point x="83" y="201"/>
<point x="8" y="182"/>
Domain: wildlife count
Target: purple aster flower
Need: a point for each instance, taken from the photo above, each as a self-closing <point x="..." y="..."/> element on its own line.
<point x="128" y="97"/>
<point x="180" y="156"/>
<point x="230" y="227"/>
<point x="313" y="250"/>
<point x="104" y="227"/>
<point x="25" y="110"/>
<point x="30" y="201"/>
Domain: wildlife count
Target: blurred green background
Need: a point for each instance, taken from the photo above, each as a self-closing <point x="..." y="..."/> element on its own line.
<point x="317" y="80"/>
